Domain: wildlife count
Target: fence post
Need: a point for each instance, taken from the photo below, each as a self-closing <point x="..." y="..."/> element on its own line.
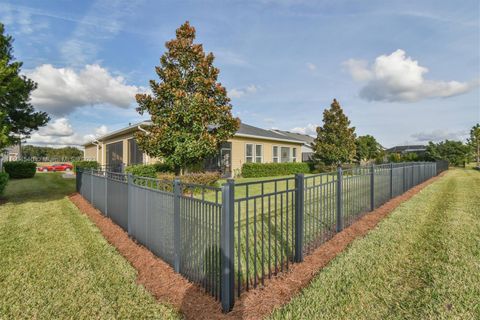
<point x="299" y="207"/>
<point x="339" y="199"/>
<point x="372" y="188"/>
<point x="413" y="164"/>
<point x="129" y="203"/>
<point x="226" y="246"/>
<point x="106" y="193"/>
<point x="91" y="188"/>
<point x="404" y="177"/>
<point x="391" y="180"/>
<point x="177" y="192"/>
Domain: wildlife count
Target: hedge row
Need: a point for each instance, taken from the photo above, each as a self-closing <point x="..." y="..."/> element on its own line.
<point x="84" y="164"/>
<point x="3" y="181"/>
<point x="148" y="170"/>
<point x="258" y="170"/>
<point x="20" y="169"/>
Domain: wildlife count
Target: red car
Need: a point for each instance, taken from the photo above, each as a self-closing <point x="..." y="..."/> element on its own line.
<point x="56" y="167"/>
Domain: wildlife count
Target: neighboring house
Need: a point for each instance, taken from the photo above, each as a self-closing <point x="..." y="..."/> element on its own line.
<point x="249" y="144"/>
<point x="418" y="149"/>
<point x="307" y="150"/>
<point x="12" y="153"/>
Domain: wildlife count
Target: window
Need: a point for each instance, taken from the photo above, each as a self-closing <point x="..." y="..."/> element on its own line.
<point x="284" y="154"/>
<point x="275" y="154"/>
<point x="258" y="153"/>
<point x="249" y="152"/>
<point x="294" y="154"/>
<point x="135" y="155"/>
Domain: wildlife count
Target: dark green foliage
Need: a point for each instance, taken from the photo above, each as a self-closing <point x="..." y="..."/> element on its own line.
<point x="3" y="181"/>
<point x="20" y="169"/>
<point x="335" y="142"/>
<point x="85" y="164"/>
<point x="18" y="117"/>
<point x="190" y="111"/>
<point x="142" y="170"/>
<point x="257" y="170"/>
<point x="200" y="178"/>
<point x="455" y="152"/>
<point x="30" y="152"/>
<point x="367" y="148"/>
<point x="474" y="142"/>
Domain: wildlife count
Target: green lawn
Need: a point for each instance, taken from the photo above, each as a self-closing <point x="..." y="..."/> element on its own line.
<point x="55" y="264"/>
<point x="422" y="262"/>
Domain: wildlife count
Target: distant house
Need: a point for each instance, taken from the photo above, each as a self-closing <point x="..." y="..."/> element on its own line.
<point x="249" y="144"/>
<point x="12" y="153"/>
<point x="418" y="149"/>
<point x="307" y="150"/>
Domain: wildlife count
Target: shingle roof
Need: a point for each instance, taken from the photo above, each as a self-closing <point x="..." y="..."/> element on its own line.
<point x="248" y="130"/>
<point x="408" y="148"/>
<point x="307" y="140"/>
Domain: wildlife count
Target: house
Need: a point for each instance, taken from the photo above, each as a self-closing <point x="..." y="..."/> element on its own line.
<point x="12" y="153"/>
<point x="418" y="149"/>
<point x="249" y="144"/>
<point x="307" y="150"/>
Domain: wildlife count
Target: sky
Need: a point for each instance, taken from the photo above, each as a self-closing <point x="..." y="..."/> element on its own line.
<point x="406" y="72"/>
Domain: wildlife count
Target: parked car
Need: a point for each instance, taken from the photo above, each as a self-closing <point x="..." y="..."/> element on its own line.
<point x="56" y="167"/>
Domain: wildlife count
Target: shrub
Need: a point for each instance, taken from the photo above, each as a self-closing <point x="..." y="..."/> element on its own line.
<point x="142" y="170"/>
<point x="200" y="178"/>
<point x="3" y="181"/>
<point x="257" y="170"/>
<point x="84" y="164"/>
<point x="163" y="167"/>
<point x="20" y="169"/>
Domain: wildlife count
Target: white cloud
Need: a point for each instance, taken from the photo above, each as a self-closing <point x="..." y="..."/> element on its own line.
<point x="61" y="90"/>
<point x="439" y="135"/>
<point x="311" y="66"/>
<point x="396" y="77"/>
<point x="238" y="93"/>
<point x="310" y="129"/>
<point x="59" y="132"/>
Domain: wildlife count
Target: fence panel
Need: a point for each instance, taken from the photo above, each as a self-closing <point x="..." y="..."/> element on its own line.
<point x="99" y="191"/>
<point x="264" y="230"/>
<point x="398" y="177"/>
<point x="200" y="255"/>
<point x="117" y="199"/>
<point x="382" y="184"/>
<point x="86" y="185"/>
<point x="320" y="209"/>
<point x="356" y="194"/>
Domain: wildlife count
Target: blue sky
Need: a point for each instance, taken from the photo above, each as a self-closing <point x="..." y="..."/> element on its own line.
<point x="404" y="71"/>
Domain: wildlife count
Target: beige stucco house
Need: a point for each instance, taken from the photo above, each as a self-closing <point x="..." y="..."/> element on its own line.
<point x="249" y="144"/>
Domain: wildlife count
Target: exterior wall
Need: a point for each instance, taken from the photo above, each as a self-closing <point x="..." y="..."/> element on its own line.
<point x="90" y="152"/>
<point x="238" y="150"/>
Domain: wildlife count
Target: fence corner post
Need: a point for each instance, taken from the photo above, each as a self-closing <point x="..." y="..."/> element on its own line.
<point x="227" y="246"/>
<point x="339" y="199"/>
<point x="177" y="192"/>
<point x="299" y="212"/>
<point x="106" y="192"/>
<point x="372" y="188"/>
<point x="391" y="180"/>
<point x="129" y="202"/>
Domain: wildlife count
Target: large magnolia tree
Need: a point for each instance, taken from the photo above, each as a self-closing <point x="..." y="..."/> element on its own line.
<point x="190" y="111"/>
<point x="335" y="142"/>
<point x="18" y="117"/>
<point x="474" y="142"/>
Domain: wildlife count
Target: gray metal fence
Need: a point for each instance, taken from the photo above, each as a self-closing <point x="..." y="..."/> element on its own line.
<point x="232" y="238"/>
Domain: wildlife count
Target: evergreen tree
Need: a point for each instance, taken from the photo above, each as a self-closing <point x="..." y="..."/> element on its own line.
<point x="367" y="148"/>
<point x="335" y="142"/>
<point x="18" y="118"/>
<point x="474" y="142"/>
<point x="190" y="110"/>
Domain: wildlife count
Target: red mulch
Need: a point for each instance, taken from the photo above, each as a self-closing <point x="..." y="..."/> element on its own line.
<point x="167" y="286"/>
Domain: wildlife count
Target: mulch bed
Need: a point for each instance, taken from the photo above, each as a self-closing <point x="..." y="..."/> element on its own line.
<point x="167" y="286"/>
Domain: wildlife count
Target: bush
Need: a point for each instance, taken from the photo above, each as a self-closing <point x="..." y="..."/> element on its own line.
<point x="142" y="170"/>
<point x="257" y="170"/>
<point x="84" y="164"/>
<point x="200" y="178"/>
<point x="20" y="169"/>
<point x="3" y="181"/>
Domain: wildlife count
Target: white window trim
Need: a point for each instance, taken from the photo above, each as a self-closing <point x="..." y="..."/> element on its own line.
<point x="289" y="154"/>
<point x="253" y="152"/>
<point x="273" y="154"/>
<point x="294" y="158"/>
<point x="261" y="160"/>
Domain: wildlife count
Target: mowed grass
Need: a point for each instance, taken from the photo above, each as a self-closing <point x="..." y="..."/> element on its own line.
<point x="422" y="262"/>
<point x="55" y="264"/>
